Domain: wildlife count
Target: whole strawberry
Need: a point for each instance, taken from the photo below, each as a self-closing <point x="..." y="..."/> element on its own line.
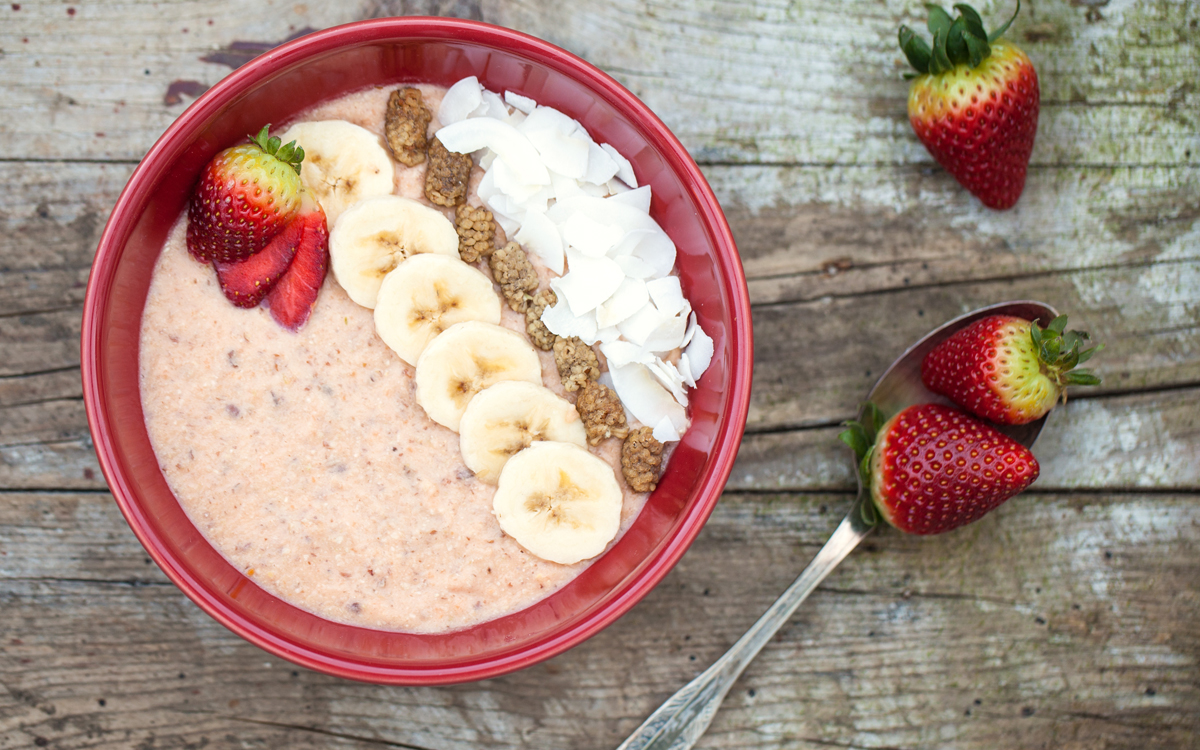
<point x="974" y="103"/>
<point x="933" y="468"/>
<point x="244" y="197"/>
<point x="1008" y="369"/>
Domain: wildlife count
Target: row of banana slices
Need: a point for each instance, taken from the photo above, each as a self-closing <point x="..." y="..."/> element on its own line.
<point x="400" y="258"/>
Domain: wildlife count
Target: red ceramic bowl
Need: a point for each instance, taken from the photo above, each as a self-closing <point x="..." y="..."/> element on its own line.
<point x="275" y="87"/>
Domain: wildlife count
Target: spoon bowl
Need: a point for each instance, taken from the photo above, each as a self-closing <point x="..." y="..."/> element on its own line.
<point x="682" y="719"/>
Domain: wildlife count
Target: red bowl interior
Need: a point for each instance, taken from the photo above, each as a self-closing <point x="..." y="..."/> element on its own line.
<point x="273" y="88"/>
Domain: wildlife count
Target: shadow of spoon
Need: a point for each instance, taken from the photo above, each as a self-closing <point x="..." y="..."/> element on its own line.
<point x="682" y="719"/>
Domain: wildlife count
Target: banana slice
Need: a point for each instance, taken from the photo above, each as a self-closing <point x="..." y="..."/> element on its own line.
<point x="464" y="360"/>
<point x="559" y="502"/>
<point x="509" y="417"/>
<point x="375" y="235"/>
<point x="343" y="163"/>
<point x="427" y="294"/>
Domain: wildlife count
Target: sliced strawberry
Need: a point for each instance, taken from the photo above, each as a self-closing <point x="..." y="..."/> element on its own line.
<point x="247" y="282"/>
<point x="292" y="298"/>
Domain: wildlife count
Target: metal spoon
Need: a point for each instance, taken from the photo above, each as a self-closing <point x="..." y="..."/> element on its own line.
<point x="679" y="722"/>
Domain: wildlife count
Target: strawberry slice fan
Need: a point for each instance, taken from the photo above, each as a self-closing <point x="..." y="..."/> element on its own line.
<point x="973" y="102"/>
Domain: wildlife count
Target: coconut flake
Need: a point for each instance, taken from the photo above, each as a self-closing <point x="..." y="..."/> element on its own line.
<point x="506" y="213"/>
<point x="616" y="187"/>
<point x="604" y="211"/>
<point x="567" y="155"/>
<point x="549" y="120"/>
<point x="691" y="327"/>
<point x="511" y="184"/>
<point x="658" y="251"/>
<point x="605" y="335"/>
<point x="645" y="397"/>
<point x="620" y="353"/>
<point x="670" y="378"/>
<point x="539" y="201"/>
<point x="629" y="298"/>
<point x="667" y="294"/>
<point x="685" y="370"/>
<point x="520" y="103"/>
<point x="564" y="187"/>
<point x="667" y="335"/>
<point x="642" y="324"/>
<point x="561" y="321"/>
<point x="665" y="432"/>
<point x="493" y="106"/>
<point x="699" y="353"/>
<point x="487" y="186"/>
<point x="459" y="101"/>
<point x="600" y="167"/>
<point x="510" y="145"/>
<point x="588" y="282"/>
<point x="634" y="268"/>
<point x="538" y="234"/>
<point x="589" y="236"/>
<point x="639" y="198"/>
<point x="561" y="141"/>
<point x="624" y="168"/>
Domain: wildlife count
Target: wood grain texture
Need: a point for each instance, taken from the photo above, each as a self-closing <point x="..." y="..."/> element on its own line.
<point x="1088" y="641"/>
<point x="1069" y="619"/>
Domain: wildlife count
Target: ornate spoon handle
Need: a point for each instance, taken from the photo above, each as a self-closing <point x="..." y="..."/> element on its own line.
<point x="679" y="722"/>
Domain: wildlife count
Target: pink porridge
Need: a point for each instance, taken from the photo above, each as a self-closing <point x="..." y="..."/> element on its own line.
<point x="306" y="462"/>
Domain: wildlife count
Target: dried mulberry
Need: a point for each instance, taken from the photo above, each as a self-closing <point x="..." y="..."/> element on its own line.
<point x="538" y="332"/>
<point x="405" y="125"/>
<point x="577" y="363"/>
<point x="446" y="180"/>
<point x="515" y="274"/>
<point x="476" y="232"/>
<point x="641" y="459"/>
<point x="602" y="412"/>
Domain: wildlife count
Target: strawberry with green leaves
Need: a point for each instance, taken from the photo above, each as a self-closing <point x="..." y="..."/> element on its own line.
<point x="245" y="196"/>
<point x="1008" y="369"/>
<point x="974" y="103"/>
<point x="931" y="468"/>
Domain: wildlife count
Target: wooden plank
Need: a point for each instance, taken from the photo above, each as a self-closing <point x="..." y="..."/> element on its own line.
<point x="808" y="232"/>
<point x="1146" y="441"/>
<point x="815" y="361"/>
<point x="57" y="465"/>
<point x="741" y="82"/>
<point x="51" y="218"/>
<point x="1062" y="621"/>
<point x="40" y="341"/>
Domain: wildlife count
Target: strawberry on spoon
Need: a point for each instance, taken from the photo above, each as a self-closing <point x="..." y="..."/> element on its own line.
<point x="974" y="103"/>
<point x="1008" y="369"/>
<point x="245" y="196"/>
<point x="932" y="468"/>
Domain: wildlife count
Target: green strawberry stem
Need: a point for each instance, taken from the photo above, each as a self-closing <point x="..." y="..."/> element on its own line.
<point x="1060" y="351"/>
<point x="860" y="436"/>
<point x="955" y="41"/>
<point x="290" y="154"/>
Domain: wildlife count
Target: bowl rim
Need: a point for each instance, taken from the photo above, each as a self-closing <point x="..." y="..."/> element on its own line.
<point x="180" y="133"/>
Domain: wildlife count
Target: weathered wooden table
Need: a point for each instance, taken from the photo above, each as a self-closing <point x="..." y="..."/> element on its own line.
<point x="1068" y="619"/>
